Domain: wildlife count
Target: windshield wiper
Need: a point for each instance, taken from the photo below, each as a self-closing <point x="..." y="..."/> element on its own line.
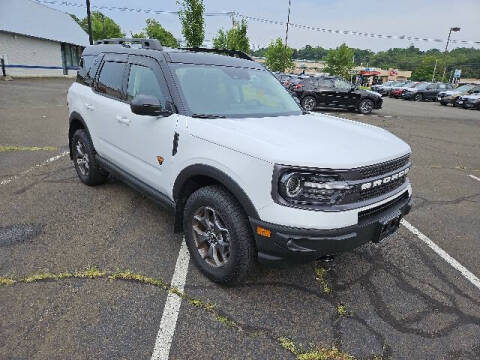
<point x="208" y="116"/>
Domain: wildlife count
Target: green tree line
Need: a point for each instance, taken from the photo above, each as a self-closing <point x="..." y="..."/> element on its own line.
<point x="411" y="58"/>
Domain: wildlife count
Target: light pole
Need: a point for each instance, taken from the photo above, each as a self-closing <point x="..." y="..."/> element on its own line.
<point x="454" y="29"/>
<point x="89" y="22"/>
<point x="286" y="35"/>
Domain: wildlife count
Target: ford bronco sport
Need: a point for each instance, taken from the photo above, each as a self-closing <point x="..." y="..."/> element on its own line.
<point x="248" y="174"/>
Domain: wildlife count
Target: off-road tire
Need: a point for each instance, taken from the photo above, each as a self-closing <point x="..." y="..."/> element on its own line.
<point x="242" y="249"/>
<point x="95" y="174"/>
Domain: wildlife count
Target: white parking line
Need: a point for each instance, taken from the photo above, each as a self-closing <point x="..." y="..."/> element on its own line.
<point x="444" y="255"/>
<point x="48" y="161"/>
<point x="172" y="307"/>
<point x="474" y="177"/>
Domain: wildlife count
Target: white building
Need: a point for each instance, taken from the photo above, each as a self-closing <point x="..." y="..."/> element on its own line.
<point x="36" y="40"/>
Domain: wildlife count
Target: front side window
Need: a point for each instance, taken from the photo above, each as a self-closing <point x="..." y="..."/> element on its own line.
<point x="142" y="81"/>
<point x="111" y="78"/>
<point x="233" y="92"/>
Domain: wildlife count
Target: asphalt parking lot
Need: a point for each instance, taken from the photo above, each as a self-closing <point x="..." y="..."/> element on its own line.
<point x="394" y="300"/>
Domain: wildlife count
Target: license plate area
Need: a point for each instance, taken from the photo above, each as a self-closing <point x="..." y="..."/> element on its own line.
<point x="388" y="226"/>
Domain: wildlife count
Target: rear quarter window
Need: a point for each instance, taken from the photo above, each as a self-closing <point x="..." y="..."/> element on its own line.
<point x="84" y="68"/>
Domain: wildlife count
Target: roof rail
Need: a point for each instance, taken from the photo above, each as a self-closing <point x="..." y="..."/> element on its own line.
<point x="153" y="44"/>
<point x="233" y="53"/>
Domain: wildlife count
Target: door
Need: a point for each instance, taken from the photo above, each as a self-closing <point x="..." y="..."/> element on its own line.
<point x="344" y="96"/>
<point x="108" y="98"/>
<point x="431" y="91"/>
<point x="148" y="140"/>
<point x="325" y="91"/>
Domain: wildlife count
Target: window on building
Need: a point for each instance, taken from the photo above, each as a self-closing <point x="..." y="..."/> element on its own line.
<point x="110" y="79"/>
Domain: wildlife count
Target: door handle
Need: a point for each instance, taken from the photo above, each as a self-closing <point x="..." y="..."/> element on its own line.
<point x="123" y="120"/>
<point x="89" y="106"/>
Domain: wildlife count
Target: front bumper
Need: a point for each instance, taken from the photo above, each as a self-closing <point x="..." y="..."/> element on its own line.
<point x="294" y="245"/>
<point x="408" y="95"/>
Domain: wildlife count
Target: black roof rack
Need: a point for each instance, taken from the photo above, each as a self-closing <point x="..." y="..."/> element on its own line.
<point x="233" y="53"/>
<point x="153" y="44"/>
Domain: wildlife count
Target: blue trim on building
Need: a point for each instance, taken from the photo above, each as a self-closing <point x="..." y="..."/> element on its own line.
<point x="40" y="67"/>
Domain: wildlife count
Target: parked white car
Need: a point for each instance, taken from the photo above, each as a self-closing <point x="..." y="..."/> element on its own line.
<point x="248" y="174"/>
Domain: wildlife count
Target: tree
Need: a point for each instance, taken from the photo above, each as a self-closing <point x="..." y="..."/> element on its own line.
<point x="278" y="57"/>
<point x="424" y="71"/>
<point x="193" y="24"/>
<point x="156" y="31"/>
<point x="103" y="27"/>
<point x="340" y="61"/>
<point x="234" y="39"/>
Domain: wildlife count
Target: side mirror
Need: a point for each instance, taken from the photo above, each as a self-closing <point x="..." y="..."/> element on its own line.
<point x="148" y="105"/>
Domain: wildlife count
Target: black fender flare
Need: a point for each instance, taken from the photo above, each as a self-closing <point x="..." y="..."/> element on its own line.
<point x="75" y="116"/>
<point x="219" y="176"/>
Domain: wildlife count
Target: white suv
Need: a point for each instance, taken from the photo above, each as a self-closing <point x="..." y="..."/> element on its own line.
<point x="217" y="139"/>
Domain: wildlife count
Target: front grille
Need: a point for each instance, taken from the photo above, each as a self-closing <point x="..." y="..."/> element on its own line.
<point x="384" y="168"/>
<point x="382" y="189"/>
<point x="381" y="208"/>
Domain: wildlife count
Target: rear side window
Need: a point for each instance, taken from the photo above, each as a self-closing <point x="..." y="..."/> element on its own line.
<point x="325" y="83"/>
<point x="110" y="80"/>
<point x="84" y="67"/>
<point x="142" y="81"/>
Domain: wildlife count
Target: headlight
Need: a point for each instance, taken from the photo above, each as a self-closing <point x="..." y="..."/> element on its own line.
<point x="299" y="187"/>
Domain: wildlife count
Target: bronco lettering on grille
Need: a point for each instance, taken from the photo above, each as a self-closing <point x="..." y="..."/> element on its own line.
<point x="387" y="179"/>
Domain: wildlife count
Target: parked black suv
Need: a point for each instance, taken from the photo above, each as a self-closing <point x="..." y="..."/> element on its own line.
<point x="334" y="92"/>
<point x="425" y="91"/>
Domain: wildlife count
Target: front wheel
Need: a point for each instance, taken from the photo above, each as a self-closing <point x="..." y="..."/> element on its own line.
<point x="83" y="155"/>
<point x="309" y="103"/>
<point x="218" y="235"/>
<point x="418" y="97"/>
<point x="365" y="106"/>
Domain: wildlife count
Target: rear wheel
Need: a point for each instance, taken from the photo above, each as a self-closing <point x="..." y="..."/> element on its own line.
<point x="444" y="103"/>
<point x="365" y="106"/>
<point x="309" y="103"/>
<point x="418" y="97"/>
<point x="218" y="235"/>
<point x="83" y="155"/>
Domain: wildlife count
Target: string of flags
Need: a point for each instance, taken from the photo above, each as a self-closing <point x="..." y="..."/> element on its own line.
<point x="357" y="33"/>
<point x="263" y="20"/>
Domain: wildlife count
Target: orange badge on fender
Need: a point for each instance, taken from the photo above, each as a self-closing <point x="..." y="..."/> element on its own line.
<point x="160" y="160"/>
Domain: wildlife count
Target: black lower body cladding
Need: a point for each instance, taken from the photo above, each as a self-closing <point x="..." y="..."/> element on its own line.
<point x="293" y="245"/>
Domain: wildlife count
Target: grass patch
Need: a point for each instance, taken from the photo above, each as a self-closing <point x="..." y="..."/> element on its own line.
<point x="288" y="344"/>
<point x="90" y="273"/>
<point x="320" y="273"/>
<point x="322" y="353"/>
<point x="342" y="310"/>
<point x="7" y="148"/>
<point x="226" y="321"/>
<point x="5" y="281"/>
<point x="128" y="275"/>
<point x="319" y="353"/>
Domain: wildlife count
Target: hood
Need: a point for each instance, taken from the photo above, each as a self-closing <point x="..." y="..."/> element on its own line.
<point x="373" y="93"/>
<point x="311" y="140"/>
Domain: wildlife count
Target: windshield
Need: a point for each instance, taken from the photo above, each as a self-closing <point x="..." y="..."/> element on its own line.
<point x="233" y="92"/>
<point x="422" y="86"/>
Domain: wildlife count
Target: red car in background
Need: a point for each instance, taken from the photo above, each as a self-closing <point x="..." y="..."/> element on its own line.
<point x="396" y="92"/>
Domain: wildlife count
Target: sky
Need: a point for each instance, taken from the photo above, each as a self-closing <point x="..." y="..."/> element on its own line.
<point x="423" y="18"/>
